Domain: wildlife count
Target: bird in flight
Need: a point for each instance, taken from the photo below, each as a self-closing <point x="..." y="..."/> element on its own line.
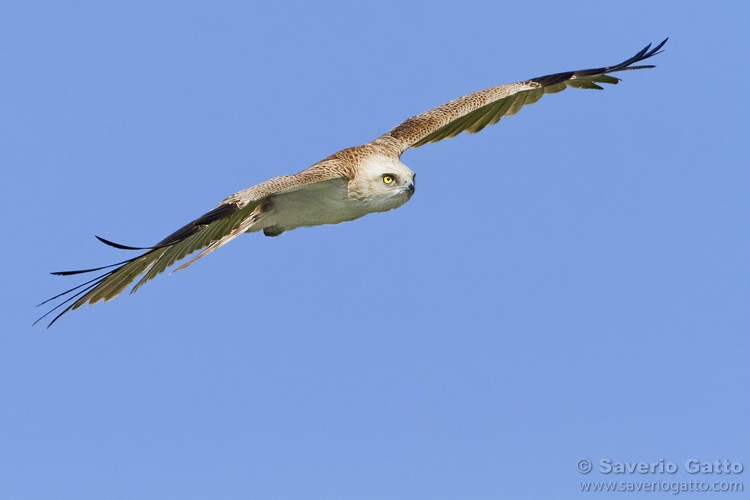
<point x="345" y="186"/>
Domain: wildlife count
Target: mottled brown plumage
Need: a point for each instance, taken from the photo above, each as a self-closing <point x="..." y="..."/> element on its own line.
<point x="345" y="186"/>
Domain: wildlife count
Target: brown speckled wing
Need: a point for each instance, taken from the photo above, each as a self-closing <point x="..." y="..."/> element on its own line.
<point x="205" y="231"/>
<point x="473" y="112"/>
<point x="339" y="165"/>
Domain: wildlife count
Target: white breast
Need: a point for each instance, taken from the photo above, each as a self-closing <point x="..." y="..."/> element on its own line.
<point x="338" y="200"/>
<point x="312" y="205"/>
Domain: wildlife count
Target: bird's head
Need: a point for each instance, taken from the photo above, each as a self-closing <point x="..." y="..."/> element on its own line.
<point x="382" y="183"/>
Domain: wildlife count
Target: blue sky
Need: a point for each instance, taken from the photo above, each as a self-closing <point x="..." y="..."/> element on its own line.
<point x="572" y="283"/>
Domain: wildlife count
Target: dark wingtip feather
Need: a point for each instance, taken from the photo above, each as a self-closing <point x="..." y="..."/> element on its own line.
<point x="121" y="247"/>
<point x="81" y="271"/>
<point x="644" y="53"/>
<point x="550" y="80"/>
<point x="75" y="288"/>
<point x="218" y="213"/>
<point x="656" y="49"/>
<point x="91" y="284"/>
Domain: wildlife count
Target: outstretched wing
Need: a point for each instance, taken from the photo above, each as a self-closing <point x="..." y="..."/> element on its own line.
<point x="232" y="217"/>
<point x="473" y="112"/>
<point x="196" y="235"/>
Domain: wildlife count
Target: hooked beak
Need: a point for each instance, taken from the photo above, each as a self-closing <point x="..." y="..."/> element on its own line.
<point x="410" y="187"/>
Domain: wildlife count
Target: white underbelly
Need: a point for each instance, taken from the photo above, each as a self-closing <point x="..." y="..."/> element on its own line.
<point x="321" y="203"/>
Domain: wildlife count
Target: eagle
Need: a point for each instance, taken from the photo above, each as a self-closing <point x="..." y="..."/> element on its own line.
<point x="345" y="186"/>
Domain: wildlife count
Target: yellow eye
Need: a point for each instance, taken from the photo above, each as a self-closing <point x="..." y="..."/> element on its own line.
<point x="387" y="179"/>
